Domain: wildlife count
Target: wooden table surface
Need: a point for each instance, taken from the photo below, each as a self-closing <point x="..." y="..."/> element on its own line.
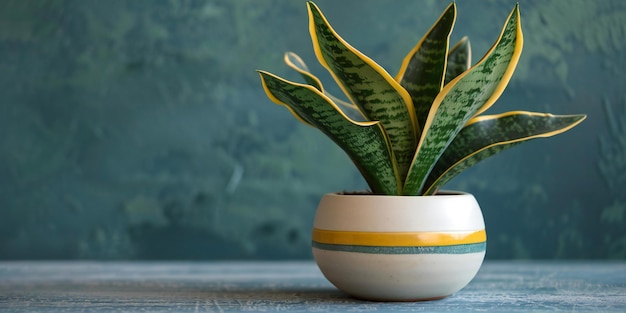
<point x="69" y="286"/>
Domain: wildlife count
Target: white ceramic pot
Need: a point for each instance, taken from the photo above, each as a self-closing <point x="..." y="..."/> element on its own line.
<point x="399" y="248"/>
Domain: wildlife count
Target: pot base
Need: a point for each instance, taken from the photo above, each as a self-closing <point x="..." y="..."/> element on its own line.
<point x="403" y="277"/>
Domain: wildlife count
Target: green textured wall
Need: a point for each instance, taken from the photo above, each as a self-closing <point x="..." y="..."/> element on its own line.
<point x="139" y="130"/>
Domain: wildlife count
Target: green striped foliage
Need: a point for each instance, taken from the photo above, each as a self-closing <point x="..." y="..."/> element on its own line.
<point x="411" y="134"/>
<point x="422" y="71"/>
<point x="459" y="59"/>
<point x="472" y="91"/>
<point x="487" y="135"/>
<point x="365" y="142"/>
<point x="295" y="62"/>
<point x="368" y="85"/>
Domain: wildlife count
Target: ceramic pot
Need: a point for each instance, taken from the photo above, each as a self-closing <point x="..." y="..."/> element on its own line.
<point x="399" y="248"/>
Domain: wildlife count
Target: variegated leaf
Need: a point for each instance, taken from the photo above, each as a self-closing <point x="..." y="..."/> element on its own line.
<point x="366" y="143"/>
<point x="295" y="62"/>
<point x="367" y="85"/>
<point x="459" y="59"/>
<point x="464" y="97"/>
<point x="423" y="69"/>
<point x="487" y="135"/>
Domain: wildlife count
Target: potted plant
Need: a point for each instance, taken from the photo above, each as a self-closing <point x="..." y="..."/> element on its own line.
<point x="408" y="135"/>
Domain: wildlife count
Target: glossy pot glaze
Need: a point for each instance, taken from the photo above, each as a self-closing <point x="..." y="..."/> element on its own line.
<point x="399" y="248"/>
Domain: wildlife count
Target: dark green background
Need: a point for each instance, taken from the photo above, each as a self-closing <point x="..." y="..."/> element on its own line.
<point x="139" y="129"/>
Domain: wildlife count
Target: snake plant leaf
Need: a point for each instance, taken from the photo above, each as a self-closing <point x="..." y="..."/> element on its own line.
<point x="423" y="69"/>
<point x="295" y="62"/>
<point x="487" y="135"/>
<point x="459" y="59"/>
<point x="469" y="94"/>
<point x="366" y="143"/>
<point x="367" y="85"/>
<point x="296" y="114"/>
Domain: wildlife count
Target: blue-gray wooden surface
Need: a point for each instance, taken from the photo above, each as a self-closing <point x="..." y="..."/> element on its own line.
<point x="294" y="287"/>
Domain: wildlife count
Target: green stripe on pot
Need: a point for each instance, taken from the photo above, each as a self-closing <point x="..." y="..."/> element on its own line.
<point x="455" y="249"/>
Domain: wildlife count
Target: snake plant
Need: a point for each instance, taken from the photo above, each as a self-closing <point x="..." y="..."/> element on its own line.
<point x="412" y="133"/>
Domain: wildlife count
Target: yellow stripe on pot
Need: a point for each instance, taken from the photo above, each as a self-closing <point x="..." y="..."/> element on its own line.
<point x="398" y="239"/>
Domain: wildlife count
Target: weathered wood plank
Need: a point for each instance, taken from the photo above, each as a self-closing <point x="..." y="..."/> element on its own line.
<point x="294" y="287"/>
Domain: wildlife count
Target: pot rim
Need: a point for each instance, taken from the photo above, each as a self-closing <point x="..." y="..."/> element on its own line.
<point x="440" y="193"/>
<point x="449" y="212"/>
